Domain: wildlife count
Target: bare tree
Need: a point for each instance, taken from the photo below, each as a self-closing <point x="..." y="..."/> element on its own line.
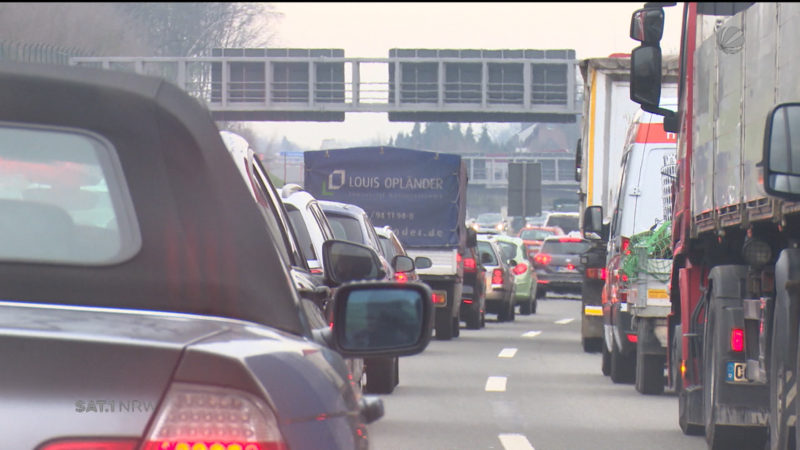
<point x="94" y="28"/>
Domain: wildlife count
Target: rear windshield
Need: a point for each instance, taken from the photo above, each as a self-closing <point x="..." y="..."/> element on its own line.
<point x="346" y="228"/>
<point x="509" y="250"/>
<point x="566" y="223"/>
<point x="565" y="248"/>
<point x="484" y="248"/>
<point x="63" y="199"/>
<point x="535" y="235"/>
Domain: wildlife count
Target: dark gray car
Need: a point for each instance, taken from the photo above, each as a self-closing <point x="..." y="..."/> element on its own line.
<point x="142" y="289"/>
<point x="558" y="265"/>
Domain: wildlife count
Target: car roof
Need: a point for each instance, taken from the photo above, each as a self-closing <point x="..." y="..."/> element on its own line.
<point x="341" y="208"/>
<point x="295" y="194"/>
<point x="198" y="254"/>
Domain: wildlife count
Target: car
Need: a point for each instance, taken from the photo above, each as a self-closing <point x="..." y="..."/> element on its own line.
<point x="473" y="290"/>
<point x="558" y="265"/>
<point x="351" y="223"/>
<point x="525" y="281"/>
<point x="392" y="247"/>
<point x="569" y="222"/>
<point x="138" y="278"/>
<point x="312" y="226"/>
<point x="499" y="280"/>
<point x="490" y="223"/>
<point x="533" y="236"/>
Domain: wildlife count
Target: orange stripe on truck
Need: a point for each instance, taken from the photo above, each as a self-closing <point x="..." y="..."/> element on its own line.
<point x="653" y="133"/>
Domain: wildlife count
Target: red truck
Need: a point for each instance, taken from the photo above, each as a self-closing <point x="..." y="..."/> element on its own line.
<point x="733" y="348"/>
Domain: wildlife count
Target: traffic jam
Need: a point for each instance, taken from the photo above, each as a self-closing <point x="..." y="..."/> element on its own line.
<point x="160" y="291"/>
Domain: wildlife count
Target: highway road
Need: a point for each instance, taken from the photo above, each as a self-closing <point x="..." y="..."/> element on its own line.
<point x="520" y="386"/>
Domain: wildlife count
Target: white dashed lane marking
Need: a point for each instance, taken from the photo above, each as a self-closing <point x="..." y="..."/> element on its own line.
<point x="507" y="353"/>
<point x="531" y="334"/>
<point x="564" y="321"/>
<point x="496" y="384"/>
<point x="515" y="442"/>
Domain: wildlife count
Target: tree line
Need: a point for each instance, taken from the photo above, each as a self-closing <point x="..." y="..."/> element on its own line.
<point x="445" y="137"/>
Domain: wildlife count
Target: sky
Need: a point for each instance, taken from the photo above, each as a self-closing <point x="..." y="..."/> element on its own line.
<point x="371" y="29"/>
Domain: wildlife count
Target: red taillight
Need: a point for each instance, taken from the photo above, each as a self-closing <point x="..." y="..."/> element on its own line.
<point x="623" y="296"/>
<point x="466" y="301"/>
<point x="439" y="298"/>
<point x="520" y="268"/>
<point x="211" y="417"/>
<point x="497" y="276"/>
<point x="469" y="265"/>
<point x="400" y="277"/>
<point x="569" y="239"/>
<point x="570" y="266"/>
<point x="737" y="340"/>
<point x="596" y="274"/>
<point x="633" y="338"/>
<point x="624" y="277"/>
<point x="458" y="258"/>
<point x="102" y="444"/>
<point x="542" y="258"/>
<point x="316" y="271"/>
<point x="626" y="243"/>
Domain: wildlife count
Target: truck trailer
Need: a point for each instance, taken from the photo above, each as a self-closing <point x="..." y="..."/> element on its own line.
<point x="733" y="350"/>
<point x="421" y="195"/>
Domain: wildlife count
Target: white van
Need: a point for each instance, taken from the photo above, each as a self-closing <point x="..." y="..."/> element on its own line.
<point x="643" y="202"/>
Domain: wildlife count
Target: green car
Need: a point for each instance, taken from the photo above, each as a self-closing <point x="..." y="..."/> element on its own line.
<point x="524" y="276"/>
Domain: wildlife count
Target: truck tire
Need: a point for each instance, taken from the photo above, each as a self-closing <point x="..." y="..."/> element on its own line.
<point x="782" y="382"/>
<point x="591" y="345"/>
<point x="623" y="368"/>
<point x="444" y="327"/>
<point x="683" y="413"/>
<point x="675" y="359"/>
<point x="381" y="375"/>
<point x="649" y="374"/>
<point x="456" y="327"/>
<point x="606" y="367"/>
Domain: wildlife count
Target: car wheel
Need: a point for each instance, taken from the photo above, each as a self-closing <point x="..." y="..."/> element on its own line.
<point x="606" y="367"/>
<point x="622" y="367"/>
<point x="533" y="307"/>
<point x="512" y="310"/>
<point x="474" y="317"/>
<point x="526" y="307"/>
<point x="456" y="327"/>
<point x="483" y="319"/>
<point x="381" y="375"/>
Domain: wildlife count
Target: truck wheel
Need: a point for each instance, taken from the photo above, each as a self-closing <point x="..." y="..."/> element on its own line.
<point x="512" y="310"/>
<point x="444" y="327"/>
<point x="683" y="412"/>
<point x="456" y="327"/>
<point x="526" y="307"/>
<point x="474" y="318"/>
<point x="381" y="375"/>
<point x="649" y="369"/>
<point x="606" y="368"/>
<point x="622" y="367"/>
<point x="781" y="383"/>
<point x="591" y="345"/>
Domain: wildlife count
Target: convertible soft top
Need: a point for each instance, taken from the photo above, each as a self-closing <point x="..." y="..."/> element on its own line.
<point x="204" y="245"/>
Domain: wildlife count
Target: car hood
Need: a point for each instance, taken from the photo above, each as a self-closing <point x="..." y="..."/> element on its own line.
<point x="78" y="371"/>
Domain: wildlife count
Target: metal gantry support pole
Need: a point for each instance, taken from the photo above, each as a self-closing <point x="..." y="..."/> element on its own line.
<point x="356" y="83"/>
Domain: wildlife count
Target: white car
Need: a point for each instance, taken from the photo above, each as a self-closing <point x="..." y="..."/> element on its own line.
<point x="309" y="221"/>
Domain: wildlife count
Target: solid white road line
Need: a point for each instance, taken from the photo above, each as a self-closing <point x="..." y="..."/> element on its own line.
<point x="531" y="334"/>
<point x="564" y="321"/>
<point x="496" y="384"/>
<point x="507" y="353"/>
<point x="515" y="442"/>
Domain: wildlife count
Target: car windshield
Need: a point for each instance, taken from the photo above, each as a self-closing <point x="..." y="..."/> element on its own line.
<point x="489" y="219"/>
<point x="566" y="223"/>
<point x="567" y="247"/>
<point x="346" y="228"/>
<point x="535" y="234"/>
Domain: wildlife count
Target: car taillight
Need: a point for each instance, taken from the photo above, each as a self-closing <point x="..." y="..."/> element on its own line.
<point x="400" y="277"/>
<point x="469" y="265"/>
<point x="213" y="418"/>
<point x="737" y="340"/>
<point x="596" y="274"/>
<point x="569" y="239"/>
<point x="542" y="258"/>
<point x="497" y="276"/>
<point x="92" y="444"/>
<point x="439" y="298"/>
<point x="520" y="268"/>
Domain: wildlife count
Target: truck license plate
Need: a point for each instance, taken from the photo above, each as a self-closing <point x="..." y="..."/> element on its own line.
<point x="736" y="371"/>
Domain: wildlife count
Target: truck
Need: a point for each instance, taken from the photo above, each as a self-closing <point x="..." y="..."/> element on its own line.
<point x="421" y="195"/>
<point x="733" y="352"/>
<point x="607" y="115"/>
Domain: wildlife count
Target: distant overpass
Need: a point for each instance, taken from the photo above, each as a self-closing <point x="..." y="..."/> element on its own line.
<point x="411" y="85"/>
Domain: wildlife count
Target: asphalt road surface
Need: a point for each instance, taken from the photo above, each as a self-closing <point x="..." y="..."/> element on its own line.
<point x="520" y="386"/>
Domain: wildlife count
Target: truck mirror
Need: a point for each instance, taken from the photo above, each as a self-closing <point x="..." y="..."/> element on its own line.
<point x="345" y="261"/>
<point x="423" y="262"/>
<point x="592" y="227"/>
<point x="647" y="25"/>
<point x="781" y="155"/>
<point x="646" y="75"/>
<point x="402" y="263"/>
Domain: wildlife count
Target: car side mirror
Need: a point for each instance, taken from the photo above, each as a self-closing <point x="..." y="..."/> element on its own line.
<point x="781" y="152"/>
<point x="345" y="261"/>
<point x="592" y="225"/>
<point x="402" y="263"/>
<point x="512" y="262"/>
<point x="382" y="318"/>
<point x="423" y="262"/>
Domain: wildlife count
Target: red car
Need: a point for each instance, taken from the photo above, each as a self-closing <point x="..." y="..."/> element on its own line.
<point x="534" y="236"/>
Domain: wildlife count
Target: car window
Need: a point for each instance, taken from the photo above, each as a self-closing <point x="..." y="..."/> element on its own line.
<point x="566" y="223"/>
<point x="346" y="228"/>
<point x="388" y="248"/>
<point x="509" y="249"/>
<point x="301" y="232"/>
<point x="63" y="199"/>
<point x="565" y="247"/>
<point x="536" y="234"/>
